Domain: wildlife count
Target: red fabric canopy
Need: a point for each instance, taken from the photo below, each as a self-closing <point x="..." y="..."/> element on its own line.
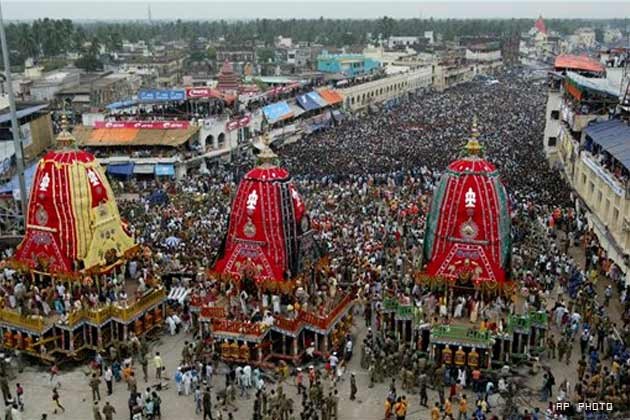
<point x="72" y="216"/>
<point x="265" y="224"/>
<point x="468" y="227"/>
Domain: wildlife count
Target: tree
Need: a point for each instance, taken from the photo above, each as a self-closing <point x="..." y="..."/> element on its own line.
<point x="265" y="55"/>
<point x="212" y="53"/>
<point x="89" y="60"/>
<point x="599" y="35"/>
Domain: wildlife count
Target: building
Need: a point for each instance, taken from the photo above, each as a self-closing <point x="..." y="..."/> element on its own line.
<point x="449" y="75"/>
<point x="166" y="70"/>
<point x="569" y="102"/>
<point x="612" y="35"/>
<point x="600" y="176"/>
<point x="300" y="57"/>
<point x="360" y="96"/>
<point x="98" y="91"/>
<point x="35" y="126"/>
<point x="487" y="52"/>
<point x="46" y="88"/>
<point x="391" y="57"/>
<point x="349" y="65"/>
<point x="149" y="148"/>
<point x="283" y="42"/>
<point x="591" y="149"/>
<point x="585" y="37"/>
<point x="239" y="56"/>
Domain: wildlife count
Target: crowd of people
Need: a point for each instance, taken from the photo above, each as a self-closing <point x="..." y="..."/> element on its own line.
<point x="368" y="182"/>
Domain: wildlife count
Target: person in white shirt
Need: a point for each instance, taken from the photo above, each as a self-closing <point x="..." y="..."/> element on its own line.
<point x="109" y="377"/>
<point x="333" y="360"/>
<point x="349" y="349"/>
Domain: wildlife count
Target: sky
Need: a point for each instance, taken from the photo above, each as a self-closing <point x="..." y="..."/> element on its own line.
<point x="239" y="9"/>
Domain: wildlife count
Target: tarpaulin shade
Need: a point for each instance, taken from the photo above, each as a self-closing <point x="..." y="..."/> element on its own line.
<point x="120" y="169"/>
<point x="314" y="96"/>
<point x="614" y="137"/>
<point x="165" y="169"/>
<point x="88" y="136"/>
<point x="14" y="184"/>
<point x="599" y="85"/>
<point x="143" y="169"/>
<point x="122" y="104"/>
<point x="277" y="111"/>
<point x="307" y="102"/>
<point x="330" y="96"/>
<point x="5" y="117"/>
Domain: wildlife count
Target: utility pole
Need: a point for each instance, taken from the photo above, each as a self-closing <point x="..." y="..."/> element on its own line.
<point x="15" y="127"/>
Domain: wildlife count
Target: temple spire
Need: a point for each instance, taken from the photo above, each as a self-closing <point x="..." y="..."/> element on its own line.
<point x="65" y="139"/>
<point x="473" y="147"/>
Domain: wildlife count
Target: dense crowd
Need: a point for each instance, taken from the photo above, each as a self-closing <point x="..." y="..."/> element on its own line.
<point x="367" y="184"/>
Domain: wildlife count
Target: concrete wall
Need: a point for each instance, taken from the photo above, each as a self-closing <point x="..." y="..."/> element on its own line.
<point x="360" y="96"/>
<point x="552" y="126"/>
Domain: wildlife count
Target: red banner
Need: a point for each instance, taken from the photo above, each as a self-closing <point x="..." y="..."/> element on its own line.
<point x="238" y="123"/>
<point x="150" y="125"/>
<point x="202" y="92"/>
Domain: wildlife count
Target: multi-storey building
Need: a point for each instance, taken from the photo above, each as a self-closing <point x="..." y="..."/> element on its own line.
<point x="591" y="147"/>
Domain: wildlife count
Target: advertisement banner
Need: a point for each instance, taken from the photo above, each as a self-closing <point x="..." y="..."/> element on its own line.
<point x="200" y="92"/>
<point x="147" y="125"/>
<point x="159" y="95"/>
<point x="238" y="123"/>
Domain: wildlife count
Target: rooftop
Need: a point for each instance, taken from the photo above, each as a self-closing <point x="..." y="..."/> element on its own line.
<point x="579" y="63"/>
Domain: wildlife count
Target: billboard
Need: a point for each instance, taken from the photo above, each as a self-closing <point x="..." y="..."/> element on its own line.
<point x="147" y="125"/>
<point x="238" y="123"/>
<point x="161" y="95"/>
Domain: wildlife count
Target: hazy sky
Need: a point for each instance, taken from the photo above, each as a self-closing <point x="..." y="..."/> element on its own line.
<point x="237" y="9"/>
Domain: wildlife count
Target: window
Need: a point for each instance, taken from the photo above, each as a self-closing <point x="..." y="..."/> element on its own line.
<point x="599" y="196"/>
<point x="615" y="215"/>
<point x="591" y="188"/>
<point x="551" y="142"/>
<point x="555" y="115"/>
<point x="583" y="179"/>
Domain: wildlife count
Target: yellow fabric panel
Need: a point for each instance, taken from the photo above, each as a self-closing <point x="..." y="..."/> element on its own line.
<point x="107" y="231"/>
<point x="81" y="201"/>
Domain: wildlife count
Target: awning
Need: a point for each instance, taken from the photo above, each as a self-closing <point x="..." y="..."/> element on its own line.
<point x="165" y="169"/>
<point x="614" y="137"/>
<point x="337" y="115"/>
<point x="120" y="169"/>
<point x="6" y="116"/>
<point x="314" y="96"/>
<point x="578" y="62"/>
<point x="277" y="112"/>
<point x="95" y="137"/>
<point x="330" y="96"/>
<point x="144" y="168"/>
<point x="599" y="85"/>
<point x="307" y="103"/>
<point x="81" y="99"/>
<point x="13" y="186"/>
<point x="122" y="104"/>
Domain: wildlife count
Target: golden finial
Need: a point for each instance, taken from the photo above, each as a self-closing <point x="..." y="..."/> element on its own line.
<point x="65" y="139"/>
<point x="473" y="147"/>
<point x="266" y="155"/>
